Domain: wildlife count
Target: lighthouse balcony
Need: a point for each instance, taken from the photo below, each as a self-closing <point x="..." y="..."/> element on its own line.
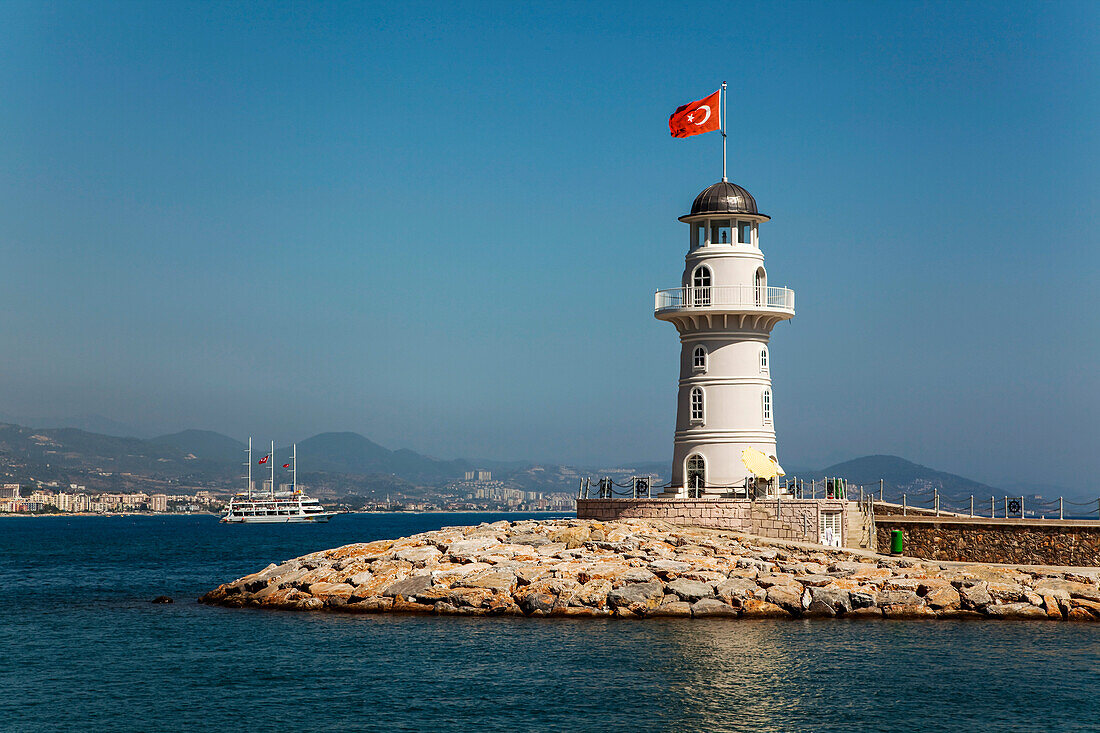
<point x="725" y="299"/>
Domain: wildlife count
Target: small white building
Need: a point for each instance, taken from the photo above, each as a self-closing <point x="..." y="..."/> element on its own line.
<point x="724" y="311"/>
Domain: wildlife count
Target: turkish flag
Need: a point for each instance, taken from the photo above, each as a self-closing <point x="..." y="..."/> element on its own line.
<point x="286" y="465"/>
<point x="263" y="460"/>
<point x="695" y="118"/>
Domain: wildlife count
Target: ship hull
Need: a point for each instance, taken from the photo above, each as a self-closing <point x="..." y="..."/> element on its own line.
<point x="277" y="519"/>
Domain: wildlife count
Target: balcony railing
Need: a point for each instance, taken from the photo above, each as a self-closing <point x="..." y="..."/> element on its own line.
<point x="725" y="297"/>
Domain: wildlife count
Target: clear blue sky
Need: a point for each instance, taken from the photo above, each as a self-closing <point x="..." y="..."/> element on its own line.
<point x="441" y="225"/>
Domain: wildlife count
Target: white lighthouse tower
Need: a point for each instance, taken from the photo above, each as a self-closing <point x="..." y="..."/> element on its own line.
<point x="724" y="311"/>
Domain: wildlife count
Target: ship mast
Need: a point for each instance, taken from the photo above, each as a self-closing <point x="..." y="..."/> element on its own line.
<point x="249" y="464"/>
<point x="272" y="470"/>
<point x="294" y="470"/>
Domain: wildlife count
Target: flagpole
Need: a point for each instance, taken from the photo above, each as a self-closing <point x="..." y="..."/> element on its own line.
<point x="722" y="114"/>
<point x="294" y="473"/>
<point x="272" y="459"/>
<point x="250" y="468"/>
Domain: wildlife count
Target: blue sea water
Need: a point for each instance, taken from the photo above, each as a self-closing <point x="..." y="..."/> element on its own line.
<point x="82" y="648"/>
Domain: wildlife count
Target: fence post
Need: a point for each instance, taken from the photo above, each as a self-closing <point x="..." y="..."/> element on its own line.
<point x="971" y="506"/>
<point x="1006" y="507"/>
<point x="1060" y="516"/>
<point x="813" y="488"/>
<point x="861" y="494"/>
<point x="936" y="500"/>
<point x="904" y="505"/>
<point x="992" y="508"/>
<point x="880" y="491"/>
<point x="1022" y="507"/>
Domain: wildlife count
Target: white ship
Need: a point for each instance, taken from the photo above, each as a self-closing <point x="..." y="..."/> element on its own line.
<point x="274" y="507"/>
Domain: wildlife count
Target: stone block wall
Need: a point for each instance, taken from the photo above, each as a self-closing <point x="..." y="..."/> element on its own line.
<point x="794" y="519"/>
<point x="1023" y="542"/>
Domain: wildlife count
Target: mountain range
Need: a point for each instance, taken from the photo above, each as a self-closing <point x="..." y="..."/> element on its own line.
<point x="196" y="457"/>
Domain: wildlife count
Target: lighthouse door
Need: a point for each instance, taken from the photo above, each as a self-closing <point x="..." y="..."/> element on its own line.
<point x="696" y="476"/>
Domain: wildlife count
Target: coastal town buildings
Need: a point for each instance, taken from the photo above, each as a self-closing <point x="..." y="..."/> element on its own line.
<point x="724" y="312"/>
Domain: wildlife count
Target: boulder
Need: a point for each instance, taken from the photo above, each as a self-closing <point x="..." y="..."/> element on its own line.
<point x="786" y="597"/>
<point x="861" y="599"/>
<point x="733" y="590"/>
<point x="162" y="599"/>
<point x="673" y="608"/>
<point x="838" y="601"/>
<point x="571" y="536"/>
<point x="668" y="568"/>
<point x="500" y="581"/>
<point x="711" y="607"/>
<point x="975" y="596"/>
<point x="752" y="608"/>
<point x="1014" y="610"/>
<point x="644" y="595"/>
<point x="593" y="594"/>
<point x="408" y="587"/>
<point x="1067" y="589"/>
<point x="690" y="590"/>
<point x="944" y="596"/>
<point x="908" y="610"/>
<point x="638" y="575"/>
<point x="898" y="597"/>
<point x="418" y="556"/>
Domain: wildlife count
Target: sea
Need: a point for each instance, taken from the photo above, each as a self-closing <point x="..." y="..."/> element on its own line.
<point x="82" y="648"/>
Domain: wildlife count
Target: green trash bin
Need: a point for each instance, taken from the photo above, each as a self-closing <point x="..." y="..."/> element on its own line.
<point x="897" y="541"/>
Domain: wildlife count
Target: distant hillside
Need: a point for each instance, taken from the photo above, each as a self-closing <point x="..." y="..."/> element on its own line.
<point x="206" y="444"/>
<point x="901" y="475"/>
<point x="352" y="453"/>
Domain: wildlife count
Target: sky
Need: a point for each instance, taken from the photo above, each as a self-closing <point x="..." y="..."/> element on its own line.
<point x="441" y="224"/>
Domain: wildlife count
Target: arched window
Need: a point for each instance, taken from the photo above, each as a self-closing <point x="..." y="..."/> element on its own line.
<point x="764" y="359"/>
<point x="696" y="475"/>
<point x="760" y="280"/>
<point x="697" y="404"/>
<point x="767" y="405"/>
<point x="699" y="358"/>
<point x="700" y="286"/>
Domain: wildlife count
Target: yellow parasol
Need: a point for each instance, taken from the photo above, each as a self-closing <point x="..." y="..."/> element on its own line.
<point x="760" y="465"/>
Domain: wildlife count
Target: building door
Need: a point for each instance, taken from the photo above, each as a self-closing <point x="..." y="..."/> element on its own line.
<point x="696" y="476"/>
<point x="830" y="529"/>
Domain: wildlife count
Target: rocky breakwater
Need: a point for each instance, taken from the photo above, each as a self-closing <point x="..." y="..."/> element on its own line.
<point x="640" y="568"/>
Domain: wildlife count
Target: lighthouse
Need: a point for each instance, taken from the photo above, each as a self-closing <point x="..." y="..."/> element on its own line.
<point x="724" y="311"/>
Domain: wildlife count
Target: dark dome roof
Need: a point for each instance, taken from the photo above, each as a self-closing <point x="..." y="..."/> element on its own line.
<point x="724" y="198"/>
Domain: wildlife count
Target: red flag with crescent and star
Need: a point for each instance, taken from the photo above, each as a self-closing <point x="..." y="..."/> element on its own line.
<point x="263" y="460"/>
<point x="695" y="118"/>
<point x="286" y="465"/>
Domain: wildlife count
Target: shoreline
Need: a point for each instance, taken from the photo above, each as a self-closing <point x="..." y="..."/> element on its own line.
<point x="648" y="568"/>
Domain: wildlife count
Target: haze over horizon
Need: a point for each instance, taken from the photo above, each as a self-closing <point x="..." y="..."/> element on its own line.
<point x="442" y="228"/>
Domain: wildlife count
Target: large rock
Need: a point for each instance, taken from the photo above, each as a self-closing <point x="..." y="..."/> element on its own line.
<point x="787" y="597"/>
<point x="500" y="581"/>
<point x="637" y="595"/>
<point x="674" y="608"/>
<point x="418" y="556"/>
<point x="408" y="587"/>
<point x="944" y="596"/>
<point x="571" y="536"/>
<point x="1015" y="610"/>
<point x="1067" y="589"/>
<point x="711" y="607"/>
<point x="975" y="596"/>
<point x="593" y="593"/>
<point x="898" y="598"/>
<point x="690" y="590"/>
<point x="669" y="568"/>
<point x="733" y="590"/>
<point x="752" y="608"/>
<point x="838" y="602"/>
